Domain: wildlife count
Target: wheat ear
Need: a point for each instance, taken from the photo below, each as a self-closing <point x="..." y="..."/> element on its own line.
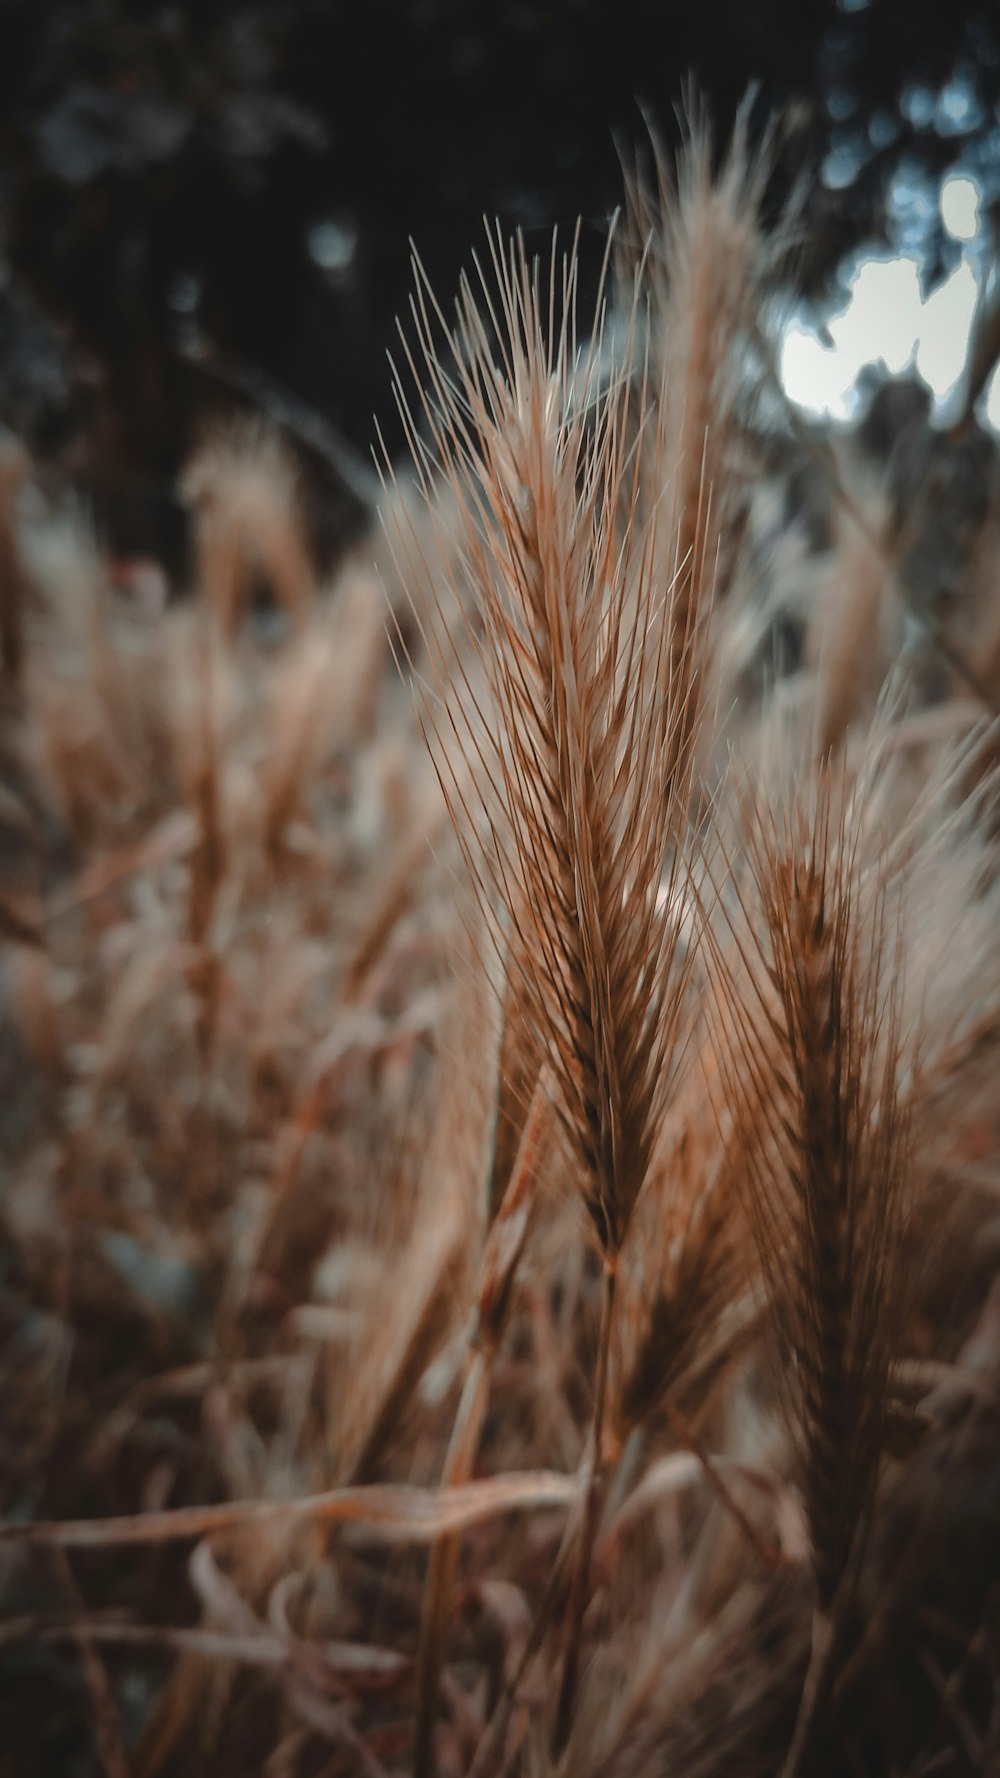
<point x="817" y="1051"/>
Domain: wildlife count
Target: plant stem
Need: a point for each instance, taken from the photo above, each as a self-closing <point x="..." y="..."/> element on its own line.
<point x="458" y="1463"/>
<point x="491" y="1746"/>
<point x="814" y="1694"/>
<point x="591" y="1510"/>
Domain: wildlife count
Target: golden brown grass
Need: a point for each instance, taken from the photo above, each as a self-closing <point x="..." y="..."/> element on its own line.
<point x="500" y="1238"/>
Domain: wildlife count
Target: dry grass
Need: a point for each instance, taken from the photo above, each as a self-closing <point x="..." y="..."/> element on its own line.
<point x="500" y="1237"/>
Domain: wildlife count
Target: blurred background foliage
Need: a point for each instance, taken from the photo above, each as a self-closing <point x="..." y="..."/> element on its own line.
<point x="185" y="190"/>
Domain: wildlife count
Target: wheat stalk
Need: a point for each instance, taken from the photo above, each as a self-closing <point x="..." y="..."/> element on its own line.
<point x="502" y="1254"/>
<point x="566" y="691"/>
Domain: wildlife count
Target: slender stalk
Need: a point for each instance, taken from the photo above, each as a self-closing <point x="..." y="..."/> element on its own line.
<point x="771" y="1556"/>
<point x="814" y="1693"/>
<point x="580" y="1588"/>
<point x="492" y="1740"/>
<point x="491" y="1744"/>
<point x="501" y="1258"/>
<point x="461" y="1455"/>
